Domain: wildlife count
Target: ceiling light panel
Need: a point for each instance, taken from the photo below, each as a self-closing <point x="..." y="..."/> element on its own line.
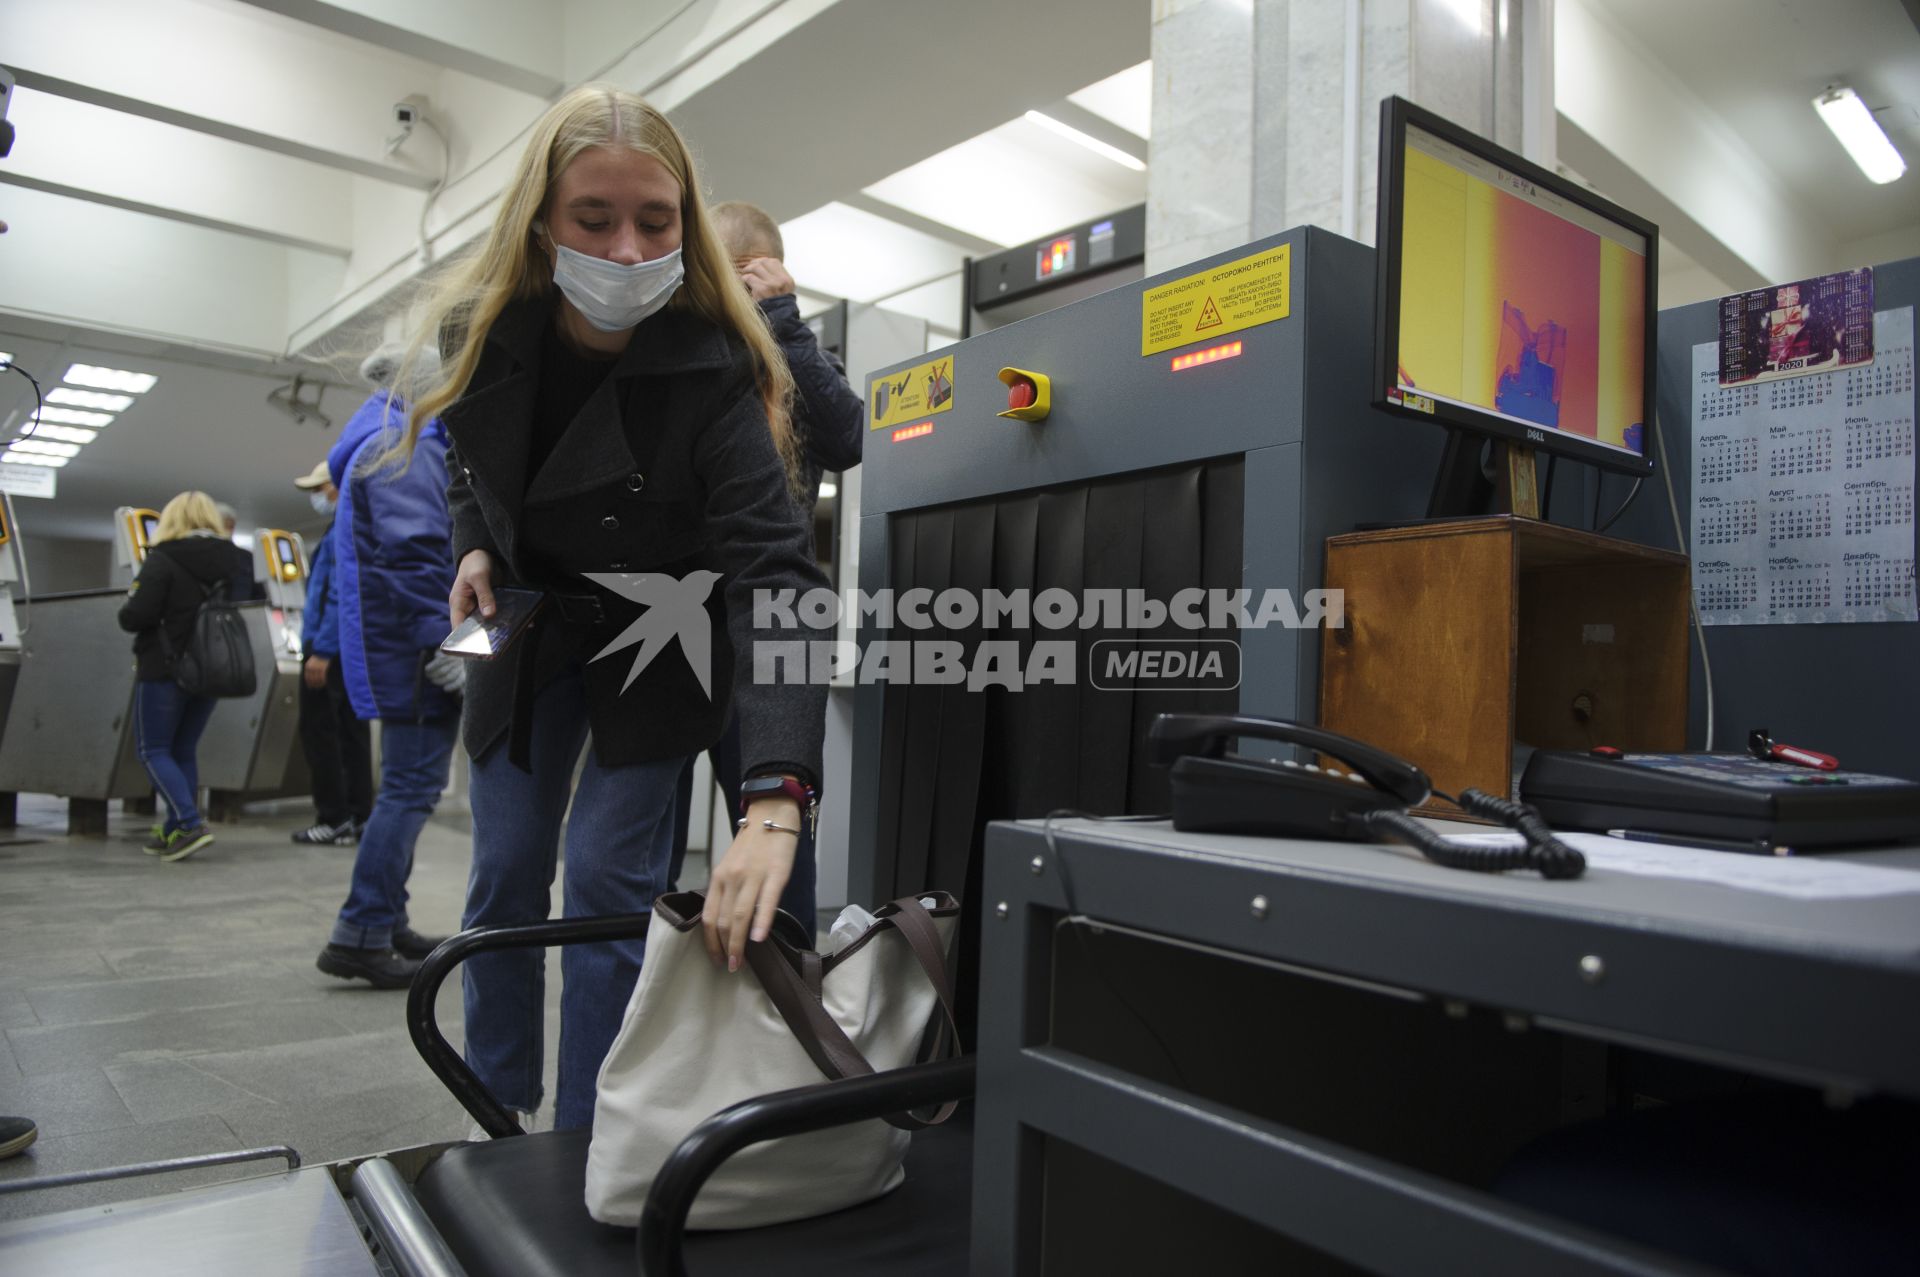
<point x="1012" y="184"/>
<point x="73" y="416"/>
<point x="44" y="449"/>
<point x="66" y="434"/>
<point x="137" y="383"/>
<point x="1861" y="134"/>
<point x="1087" y="140"/>
<point x="847" y="252"/>
<point x="1124" y="98"/>
<point x="30" y="459"/>
<point x="89" y="399"/>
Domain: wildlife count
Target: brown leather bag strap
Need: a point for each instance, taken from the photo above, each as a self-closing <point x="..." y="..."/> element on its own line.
<point x="911" y="919"/>
<point x="824" y="1041"/>
<point x="811" y="969"/>
<point x="792" y="979"/>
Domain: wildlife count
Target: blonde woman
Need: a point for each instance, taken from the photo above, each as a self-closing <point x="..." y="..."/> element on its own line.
<point x="620" y="441"/>
<point x="189" y="559"/>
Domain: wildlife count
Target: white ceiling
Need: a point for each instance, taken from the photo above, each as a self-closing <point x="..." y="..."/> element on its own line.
<point x="200" y="187"/>
<point x="1758" y="64"/>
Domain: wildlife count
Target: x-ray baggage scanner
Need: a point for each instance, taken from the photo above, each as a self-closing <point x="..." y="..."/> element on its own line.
<point x="1204" y="430"/>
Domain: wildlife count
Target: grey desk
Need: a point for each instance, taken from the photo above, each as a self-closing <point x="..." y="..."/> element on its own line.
<point x="1820" y="992"/>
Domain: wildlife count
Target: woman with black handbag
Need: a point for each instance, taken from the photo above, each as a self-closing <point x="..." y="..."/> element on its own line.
<point x="620" y="441"/>
<point x="189" y="560"/>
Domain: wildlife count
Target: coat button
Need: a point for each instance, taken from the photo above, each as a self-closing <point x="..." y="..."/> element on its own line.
<point x="610" y="523"/>
<point x="635" y="482"/>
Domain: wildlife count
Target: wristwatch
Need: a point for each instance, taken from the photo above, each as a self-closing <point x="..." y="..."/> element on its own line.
<point x="780" y="787"/>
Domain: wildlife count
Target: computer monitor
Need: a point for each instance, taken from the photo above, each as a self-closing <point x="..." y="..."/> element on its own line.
<point x="1512" y="304"/>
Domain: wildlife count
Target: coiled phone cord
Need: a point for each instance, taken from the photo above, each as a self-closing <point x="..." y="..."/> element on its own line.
<point x="1543" y="852"/>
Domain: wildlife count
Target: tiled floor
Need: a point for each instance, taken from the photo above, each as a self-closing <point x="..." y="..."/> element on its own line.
<point x="152" y="1010"/>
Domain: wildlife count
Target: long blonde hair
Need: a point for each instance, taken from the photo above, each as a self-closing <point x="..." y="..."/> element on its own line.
<point x="187" y="513"/>
<point x="511" y="265"/>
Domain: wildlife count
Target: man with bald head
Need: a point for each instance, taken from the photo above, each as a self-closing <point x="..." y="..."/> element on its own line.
<point x="829" y="420"/>
<point x="828" y="415"/>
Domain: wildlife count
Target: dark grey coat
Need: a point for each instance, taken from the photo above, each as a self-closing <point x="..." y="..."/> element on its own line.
<point x="668" y="467"/>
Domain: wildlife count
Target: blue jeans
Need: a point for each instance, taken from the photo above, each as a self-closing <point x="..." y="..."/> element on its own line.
<point x="414" y="758"/>
<point x="167" y="724"/>
<point x="619" y="839"/>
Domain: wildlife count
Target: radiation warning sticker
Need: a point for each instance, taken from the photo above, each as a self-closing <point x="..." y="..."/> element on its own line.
<point x="1226" y="299"/>
<point x="911" y="392"/>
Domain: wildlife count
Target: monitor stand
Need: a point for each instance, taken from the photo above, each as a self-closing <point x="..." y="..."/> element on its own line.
<point x="1478" y="476"/>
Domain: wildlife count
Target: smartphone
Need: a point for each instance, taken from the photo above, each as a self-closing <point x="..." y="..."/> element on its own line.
<point x="481" y="638"/>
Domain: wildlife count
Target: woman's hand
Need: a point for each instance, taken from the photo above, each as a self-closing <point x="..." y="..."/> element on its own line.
<point x="744" y="892"/>
<point x="472" y="586"/>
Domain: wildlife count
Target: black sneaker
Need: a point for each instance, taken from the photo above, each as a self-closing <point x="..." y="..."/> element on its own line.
<point x="409" y="943"/>
<point x="321" y="834"/>
<point x="156" y="844"/>
<point x="382" y="968"/>
<point x="184" y="842"/>
<point x="16" y="1133"/>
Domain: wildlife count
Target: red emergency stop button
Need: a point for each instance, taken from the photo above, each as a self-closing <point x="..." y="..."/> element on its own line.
<point x="1029" y="394"/>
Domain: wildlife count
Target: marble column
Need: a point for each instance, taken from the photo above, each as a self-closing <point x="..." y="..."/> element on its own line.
<point x="1266" y="113"/>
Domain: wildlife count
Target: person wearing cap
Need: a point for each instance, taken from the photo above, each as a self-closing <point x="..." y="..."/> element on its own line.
<point x="335" y="740"/>
<point x="393" y="568"/>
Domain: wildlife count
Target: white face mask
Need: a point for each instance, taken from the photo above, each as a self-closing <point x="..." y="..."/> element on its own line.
<point x="322" y="504"/>
<point x="613" y="297"/>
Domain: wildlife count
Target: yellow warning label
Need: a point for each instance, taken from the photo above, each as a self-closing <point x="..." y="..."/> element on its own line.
<point x="1223" y="300"/>
<point x="913" y="392"/>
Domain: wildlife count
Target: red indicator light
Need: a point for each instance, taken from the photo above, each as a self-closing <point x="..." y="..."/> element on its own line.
<point x="913" y="432"/>
<point x="1211" y="355"/>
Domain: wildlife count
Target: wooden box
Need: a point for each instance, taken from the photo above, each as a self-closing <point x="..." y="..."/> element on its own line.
<point x="1464" y="639"/>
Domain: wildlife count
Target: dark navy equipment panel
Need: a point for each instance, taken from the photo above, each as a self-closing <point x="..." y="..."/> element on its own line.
<point x="1846" y="690"/>
<point x="1223" y="463"/>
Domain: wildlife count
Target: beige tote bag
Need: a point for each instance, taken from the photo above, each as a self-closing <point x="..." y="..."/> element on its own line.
<point x="697" y="1039"/>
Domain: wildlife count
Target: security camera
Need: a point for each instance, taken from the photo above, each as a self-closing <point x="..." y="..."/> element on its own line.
<point x="292" y="400"/>
<point x="407" y="112"/>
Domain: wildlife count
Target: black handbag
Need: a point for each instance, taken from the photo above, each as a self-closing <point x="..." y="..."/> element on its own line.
<point x="218" y="657"/>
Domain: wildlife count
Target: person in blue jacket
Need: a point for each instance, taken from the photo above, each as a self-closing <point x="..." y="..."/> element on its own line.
<point x="335" y="741"/>
<point x="393" y="568"/>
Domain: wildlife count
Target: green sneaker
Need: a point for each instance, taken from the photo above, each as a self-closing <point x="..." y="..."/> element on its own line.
<point x="157" y="840"/>
<point x="187" y="841"/>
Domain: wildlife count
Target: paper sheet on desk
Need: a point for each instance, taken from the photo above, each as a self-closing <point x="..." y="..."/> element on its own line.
<point x="1802" y="877"/>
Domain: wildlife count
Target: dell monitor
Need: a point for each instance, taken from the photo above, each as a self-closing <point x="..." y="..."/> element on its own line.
<point x="1512" y="305"/>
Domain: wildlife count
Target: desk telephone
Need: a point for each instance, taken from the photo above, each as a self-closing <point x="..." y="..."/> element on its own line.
<point x="1215" y="791"/>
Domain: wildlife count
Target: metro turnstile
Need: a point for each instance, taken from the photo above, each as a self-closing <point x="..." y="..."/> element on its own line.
<point x="11" y="569"/>
<point x="70" y="729"/>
